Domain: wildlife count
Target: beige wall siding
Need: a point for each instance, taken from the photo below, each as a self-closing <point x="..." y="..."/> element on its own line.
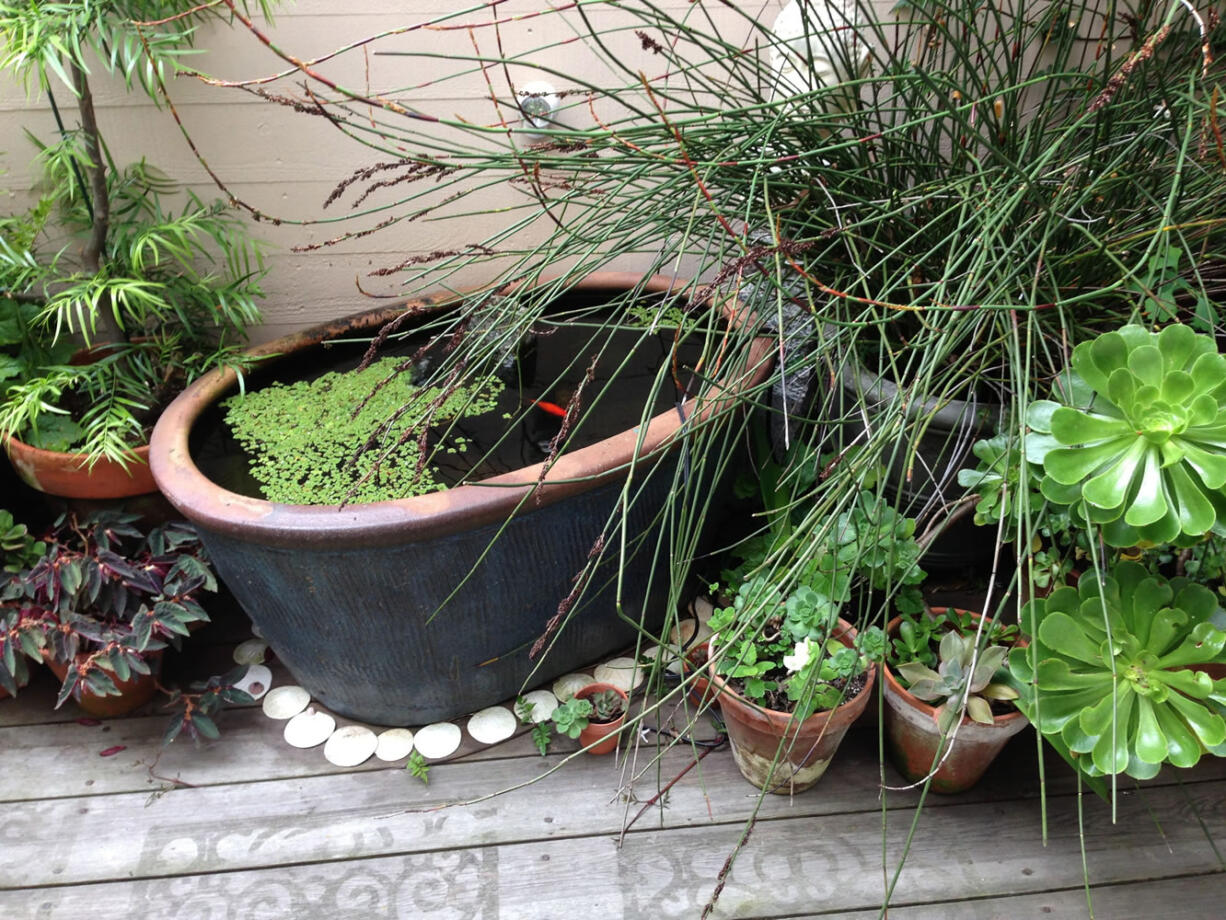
<point x="285" y="163"/>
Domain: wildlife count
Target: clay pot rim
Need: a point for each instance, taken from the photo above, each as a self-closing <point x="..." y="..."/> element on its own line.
<point x="847" y="636"/>
<point x="892" y="684"/>
<point x="436" y="513"/>
<point x="596" y="687"/>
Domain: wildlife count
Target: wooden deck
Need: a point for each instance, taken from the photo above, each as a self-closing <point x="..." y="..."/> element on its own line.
<point x="251" y="828"/>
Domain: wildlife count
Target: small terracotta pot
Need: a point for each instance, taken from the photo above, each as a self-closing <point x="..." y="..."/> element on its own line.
<point x="695" y="664"/>
<point x="71" y="476"/>
<point x="134" y="692"/>
<point x="804" y="750"/>
<point x="606" y="730"/>
<point x="913" y="738"/>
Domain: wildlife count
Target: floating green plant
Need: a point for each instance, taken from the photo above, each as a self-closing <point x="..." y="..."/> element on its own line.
<point x="302" y="437"/>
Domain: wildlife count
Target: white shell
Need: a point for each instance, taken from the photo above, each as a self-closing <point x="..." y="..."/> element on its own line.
<point x="250" y="652"/>
<point x="672" y="663"/>
<point x="568" y="685"/>
<point x="309" y="728"/>
<point x="394" y="744"/>
<point x="256" y="631"/>
<point x="285" y="702"/>
<point x="438" y="740"/>
<point x="543" y="704"/>
<point x="256" y="681"/>
<point x="489" y="726"/>
<point x="622" y="673"/>
<point x="350" y="745"/>
<point x="702" y="608"/>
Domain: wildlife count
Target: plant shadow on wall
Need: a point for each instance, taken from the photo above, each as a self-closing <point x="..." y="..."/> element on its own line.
<point x="117" y="288"/>
<point x="942" y="200"/>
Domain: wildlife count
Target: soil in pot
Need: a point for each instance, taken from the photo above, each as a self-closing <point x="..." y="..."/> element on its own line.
<point x="913" y="738"/>
<point x="803" y="750"/>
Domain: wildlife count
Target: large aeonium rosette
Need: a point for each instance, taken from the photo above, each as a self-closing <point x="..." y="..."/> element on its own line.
<point x="1141" y="436"/>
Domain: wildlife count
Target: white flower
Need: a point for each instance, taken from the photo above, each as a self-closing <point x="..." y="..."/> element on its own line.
<point x="799" y="657"/>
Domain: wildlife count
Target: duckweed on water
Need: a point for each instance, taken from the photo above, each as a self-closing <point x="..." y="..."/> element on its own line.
<point x="301" y="436"/>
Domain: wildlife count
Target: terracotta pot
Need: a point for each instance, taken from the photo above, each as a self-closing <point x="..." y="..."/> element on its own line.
<point x="71" y="476"/>
<point x="606" y="730"/>
<point x="134" y="692"/>
<point x="913" y="738"/>
<point x="804" y="750"/>
<point x="695" y="663"/>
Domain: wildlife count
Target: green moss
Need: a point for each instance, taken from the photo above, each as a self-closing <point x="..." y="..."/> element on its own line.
<point x="302" y="436"/>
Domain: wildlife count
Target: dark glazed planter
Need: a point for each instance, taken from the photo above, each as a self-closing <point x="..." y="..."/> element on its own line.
<point x="928" y="479"/>
<point x="348" y="596"/>
<point x="804" y="750"/>
<point x="913" y="738"/>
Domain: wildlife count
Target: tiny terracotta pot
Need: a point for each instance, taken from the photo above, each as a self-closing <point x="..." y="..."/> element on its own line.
<point x="134" y="692"/>
<point x="595" y="731"/>
<point x="913" y="737"/>
<point x="71" y="476"/>
<point x="694" y="667"/>
<point x="760" y="736"/>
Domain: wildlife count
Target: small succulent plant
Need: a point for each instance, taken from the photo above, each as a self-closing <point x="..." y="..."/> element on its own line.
<point x="1111" y="667"/>
<point x="960" y="674"/>
<point x="607" y="705"/>
<point x="1140" y="436"/>
<point x="572" y="717"/>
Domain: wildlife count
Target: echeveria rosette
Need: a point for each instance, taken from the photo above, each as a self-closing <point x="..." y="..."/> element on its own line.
<point x="1147" y="450"/>
<point x="1137" y="680"/>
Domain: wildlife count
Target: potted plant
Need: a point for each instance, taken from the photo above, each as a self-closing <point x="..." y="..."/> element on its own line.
<point x="99" y="605"/>
<point x="429" y="568"/>
<point x="1129" y="458"/>
<point x="1113" y="671"/>
<point x="948" y="696"/>
<point x="790" y="677"/>
<point x="594" y="715"/>
<point x="165" y="283"/>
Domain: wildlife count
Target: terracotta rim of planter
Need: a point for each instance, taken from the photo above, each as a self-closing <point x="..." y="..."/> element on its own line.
<point x="134" y="692"/>
<point x="785" y="721"/>
<point x="892" y="683"/>
<point x="424" y="516"/>
<point x="70" y="475"/>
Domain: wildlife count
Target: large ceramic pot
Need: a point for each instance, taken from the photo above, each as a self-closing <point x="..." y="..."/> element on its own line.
<point x="372" y="607"/>
<point x="913" y="737"/>
<point x="760" y="737"/>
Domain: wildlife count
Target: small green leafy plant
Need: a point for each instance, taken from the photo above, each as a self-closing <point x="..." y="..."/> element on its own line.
<point x="418" y="768"/>
<point x="302" y="436"/>
<point x="18" y="550"/>
<point x="780" y="652"/>
<point x="542" y="734"/>
<point x="1110" y="662"/>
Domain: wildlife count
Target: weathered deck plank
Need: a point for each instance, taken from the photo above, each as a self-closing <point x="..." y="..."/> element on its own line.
<point x="789" y="866"/>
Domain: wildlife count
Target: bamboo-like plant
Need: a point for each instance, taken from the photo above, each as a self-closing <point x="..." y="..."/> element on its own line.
<point x="164" y="284"/>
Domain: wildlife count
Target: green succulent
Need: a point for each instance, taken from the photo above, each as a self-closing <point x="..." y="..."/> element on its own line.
<point x="572" y="717"/>
<point x="997" y="481"/>
<point x="960" y="674"/>
<point x="1141" y="438"/>
<point x="1123" y="700"/>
